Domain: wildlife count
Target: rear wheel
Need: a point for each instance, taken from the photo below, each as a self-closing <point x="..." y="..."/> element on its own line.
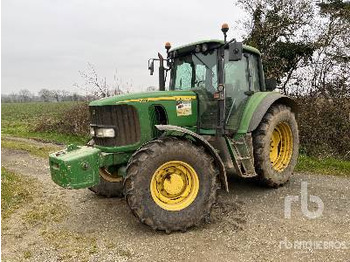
<point x="276" y="145"/>
<point x="171" y="184"/>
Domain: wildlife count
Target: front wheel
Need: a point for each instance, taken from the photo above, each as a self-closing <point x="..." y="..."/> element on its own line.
<point x="171" y="184"/>
<point x="276" y="146"/>
<point x="109" y="186"/>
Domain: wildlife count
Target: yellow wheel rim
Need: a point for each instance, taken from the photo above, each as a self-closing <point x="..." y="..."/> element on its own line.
<point x="281" y="146"/>
<point x="174" y="185"/>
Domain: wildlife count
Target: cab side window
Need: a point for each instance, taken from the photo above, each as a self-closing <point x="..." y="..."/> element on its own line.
<point x="254" y="71"/>
<point x="240" y="77"/>
<point x="236" y="78"/>
<point x="237" y="75"/>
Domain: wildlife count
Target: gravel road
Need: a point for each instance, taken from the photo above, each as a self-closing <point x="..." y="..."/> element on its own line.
<point x="247" y="224"/>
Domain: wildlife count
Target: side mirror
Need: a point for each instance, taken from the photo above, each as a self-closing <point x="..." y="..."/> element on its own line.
<point x="235" y="51"/>
<point x="270" y="84"/>
<point x="151" y="66"/>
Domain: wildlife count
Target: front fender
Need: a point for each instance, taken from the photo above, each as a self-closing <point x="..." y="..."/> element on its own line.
<point x="200" y="140"/>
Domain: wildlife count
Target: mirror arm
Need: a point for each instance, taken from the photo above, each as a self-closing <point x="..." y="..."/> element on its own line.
<point x="161" y="73"/>
<point x="229" y="42"/>
<point x="166" y="73"/>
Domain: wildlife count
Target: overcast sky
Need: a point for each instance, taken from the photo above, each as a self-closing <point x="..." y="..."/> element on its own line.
<point x="46" y="42"/>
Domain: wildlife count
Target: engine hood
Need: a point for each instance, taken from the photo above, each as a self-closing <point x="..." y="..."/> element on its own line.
<point x="145" y="97"/>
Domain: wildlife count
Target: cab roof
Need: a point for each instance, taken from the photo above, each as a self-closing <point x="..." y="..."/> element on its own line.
<point x="211" y="42"/>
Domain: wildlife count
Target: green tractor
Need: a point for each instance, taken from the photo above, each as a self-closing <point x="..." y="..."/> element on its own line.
<point x="169" y="151"/>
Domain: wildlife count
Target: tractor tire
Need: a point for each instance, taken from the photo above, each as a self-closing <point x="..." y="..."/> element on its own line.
<point x="171" y="184"/>
<point x="108" y="189"/>
<point x="276" y="146"/>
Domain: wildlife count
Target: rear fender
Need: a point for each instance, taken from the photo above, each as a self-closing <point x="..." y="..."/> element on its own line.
<point x="257" y="107"/>
<point x="202" y="141"/>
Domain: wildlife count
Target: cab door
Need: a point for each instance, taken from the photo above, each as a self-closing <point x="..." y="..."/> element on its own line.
<point x="242" y="79"/>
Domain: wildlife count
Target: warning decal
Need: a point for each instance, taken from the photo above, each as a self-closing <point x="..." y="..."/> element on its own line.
<point x="183" y="108"/>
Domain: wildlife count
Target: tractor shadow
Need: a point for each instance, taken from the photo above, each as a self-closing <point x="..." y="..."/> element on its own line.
<point x="114" y="216"/>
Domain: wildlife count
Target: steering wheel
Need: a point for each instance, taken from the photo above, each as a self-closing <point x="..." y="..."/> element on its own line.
<point x="197" y="82"/>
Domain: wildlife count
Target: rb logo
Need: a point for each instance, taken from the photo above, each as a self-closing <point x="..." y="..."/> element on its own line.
<point x="304" y="203"/>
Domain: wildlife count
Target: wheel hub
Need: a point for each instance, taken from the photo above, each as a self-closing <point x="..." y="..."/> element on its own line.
<point x="174" y="185"/>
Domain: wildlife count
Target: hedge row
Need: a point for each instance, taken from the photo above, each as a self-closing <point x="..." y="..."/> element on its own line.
<point x="324" y="125"/>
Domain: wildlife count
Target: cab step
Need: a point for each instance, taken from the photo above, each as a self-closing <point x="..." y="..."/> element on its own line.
<point x="242" y="152"/>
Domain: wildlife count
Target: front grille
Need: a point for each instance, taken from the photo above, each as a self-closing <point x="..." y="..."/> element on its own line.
<point x="123" y="118"/>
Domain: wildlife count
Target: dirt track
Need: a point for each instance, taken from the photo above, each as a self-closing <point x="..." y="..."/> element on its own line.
<point x="248" y="224"/>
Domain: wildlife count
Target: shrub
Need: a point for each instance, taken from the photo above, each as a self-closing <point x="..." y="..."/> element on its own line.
<point x="324" y="126"/>
<point x="73" y="121"/>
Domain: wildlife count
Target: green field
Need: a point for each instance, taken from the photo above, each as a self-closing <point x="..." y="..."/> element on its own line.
<point x="20" y="119"/>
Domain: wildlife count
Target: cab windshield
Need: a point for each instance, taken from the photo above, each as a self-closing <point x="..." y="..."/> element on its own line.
<point x="195" y="70"/>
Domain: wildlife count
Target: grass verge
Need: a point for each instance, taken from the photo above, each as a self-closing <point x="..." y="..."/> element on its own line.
<point x="55" y="138"/>
<point x="15" y="190"/>
<point x="327" y="166"/>
<point x="31" y="148"/>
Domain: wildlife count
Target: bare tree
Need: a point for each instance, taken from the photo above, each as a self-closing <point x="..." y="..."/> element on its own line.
<point x="93" y="84"/>
<point x="46" y="95"/>
<point x="5" y="98"/>
<point x="277" y="29"/>
<point x="98" y="87"/>
<point x="304" y="44"/>
<point x="25" y="95"/>
<point x="13" y="97"/>
<point x="65" y="95"/>
<point x="56" y="94"/>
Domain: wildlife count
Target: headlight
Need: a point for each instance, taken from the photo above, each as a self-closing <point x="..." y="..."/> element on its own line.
<point x="104" y="132"/>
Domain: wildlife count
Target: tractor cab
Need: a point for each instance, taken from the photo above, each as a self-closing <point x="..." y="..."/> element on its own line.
<point x="223" y="74"/>
<point x="206" y="68"/>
